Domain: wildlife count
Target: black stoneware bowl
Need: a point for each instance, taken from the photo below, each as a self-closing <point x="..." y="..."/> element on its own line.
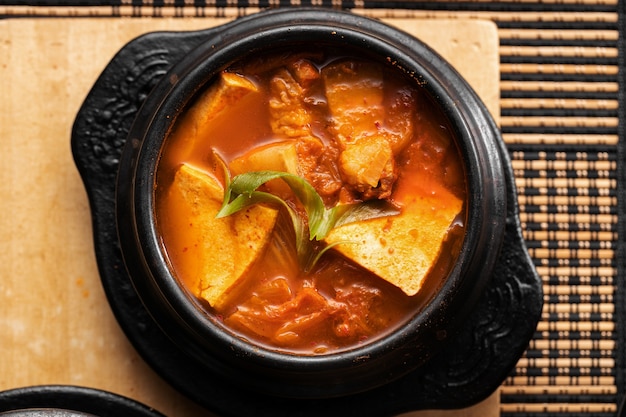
<point x="69" y="401"/>
<point x="201" y="336"/>
<point x="44" y="412"/>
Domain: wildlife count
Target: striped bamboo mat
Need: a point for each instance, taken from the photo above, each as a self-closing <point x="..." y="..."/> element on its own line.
<point x="562" y="118"/>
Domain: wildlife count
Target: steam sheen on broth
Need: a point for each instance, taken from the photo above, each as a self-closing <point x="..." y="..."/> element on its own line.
<point x="357" y="131"/>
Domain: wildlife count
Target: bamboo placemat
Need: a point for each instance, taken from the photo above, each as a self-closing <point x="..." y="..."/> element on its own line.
<point x="562" y="118"/>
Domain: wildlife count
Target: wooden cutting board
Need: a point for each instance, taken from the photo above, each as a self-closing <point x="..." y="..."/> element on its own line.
<point x="55" y="323"/>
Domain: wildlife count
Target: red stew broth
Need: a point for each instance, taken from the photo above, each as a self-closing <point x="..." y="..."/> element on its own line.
<point x="339" y="305"/>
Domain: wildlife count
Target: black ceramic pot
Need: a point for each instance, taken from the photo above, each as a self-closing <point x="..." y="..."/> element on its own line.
<point x="44" y="412"/>
<point x="201" y="336"/>
<point x="69" y="401"/>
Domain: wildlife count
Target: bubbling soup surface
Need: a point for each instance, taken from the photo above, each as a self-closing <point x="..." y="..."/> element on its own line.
<point x="357" y="131"/>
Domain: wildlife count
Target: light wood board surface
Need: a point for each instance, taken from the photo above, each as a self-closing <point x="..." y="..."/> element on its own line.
<point x="56" y="326"/>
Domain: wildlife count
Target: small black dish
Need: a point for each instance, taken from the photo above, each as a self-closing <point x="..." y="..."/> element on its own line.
<point x="69" y="401"/>
<point x="469" y="365"/>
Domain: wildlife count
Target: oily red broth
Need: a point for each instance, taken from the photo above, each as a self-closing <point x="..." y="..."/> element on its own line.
<point x="292" y="102"/>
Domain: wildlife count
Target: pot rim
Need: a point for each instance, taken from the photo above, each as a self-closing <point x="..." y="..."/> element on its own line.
<point x="467" y="115"/>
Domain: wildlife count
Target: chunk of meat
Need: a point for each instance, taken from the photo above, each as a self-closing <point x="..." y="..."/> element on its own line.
<point x="368" y="166"/>
<point x="214" y="252"/>
<point x="304" y="72"/>
<point x="291" y="118"/>
<point x="372" y="123"/>
<point x="357" y="316"/>
<point x="401" y="249"/>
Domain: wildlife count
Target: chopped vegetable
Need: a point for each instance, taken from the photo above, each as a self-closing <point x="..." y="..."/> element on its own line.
<point x="242" y="192"/>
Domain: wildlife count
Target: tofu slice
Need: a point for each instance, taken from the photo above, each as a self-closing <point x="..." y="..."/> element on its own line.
<point x="401" y="249"/>
<point x="226" y="91"/>
<point x="230" y="88"/>
<point x="216" y="252"/>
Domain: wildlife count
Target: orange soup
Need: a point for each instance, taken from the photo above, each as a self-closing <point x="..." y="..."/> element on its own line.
<point x="311" y="201"/>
